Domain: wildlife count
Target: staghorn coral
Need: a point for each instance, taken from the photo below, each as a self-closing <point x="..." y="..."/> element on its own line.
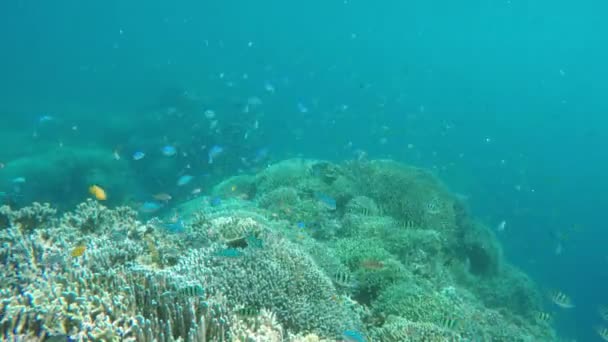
<point x="47" y="293"/>
<point x="93" y="217"/>
<point x="27" y="218"/>
<point x="279" y="277"/>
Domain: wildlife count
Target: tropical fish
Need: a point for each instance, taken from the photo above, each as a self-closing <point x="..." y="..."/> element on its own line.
<point x="209" y="114"/>
<point x="45" y="118"/>
<point x="248" y="312"/>
<point x="214" y="151"/>
<point x="501" y="226"/>
<point x="175" y="227"/>
<point x="353" y="336"/>
<point x="543" y="316"/>
<point x="229" y="253"/>
<point x="168" y="150"/>
<point x="302" y="108"/>
<point x="342" y="279"/>
<point x="98" y="192"/>
<point x="78" y="251"/>
<point x="149" y="207"/>
<point x="19" y="180"/>
<point x="216" y="201"/>
<point x="138" y="155"/>
<point x="163" y="197"/>
<point x="603" y="311"/>
<point x="560" y="299"/>
<point x="603" y="332"/>
<point x="448" y="322"/>
<point x="301" y="225"/>
<point x="192" y="290"/>
<point x="371" y="264"/>
<point x="184" y="180"/>
<point x="327" y="201"/>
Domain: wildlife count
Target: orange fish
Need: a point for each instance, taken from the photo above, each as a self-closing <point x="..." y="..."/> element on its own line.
<point x="78" y="251"/>
<point x="98" y="192"/>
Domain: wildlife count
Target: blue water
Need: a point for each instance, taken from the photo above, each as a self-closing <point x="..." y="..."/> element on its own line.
<point x="504" y="100"/>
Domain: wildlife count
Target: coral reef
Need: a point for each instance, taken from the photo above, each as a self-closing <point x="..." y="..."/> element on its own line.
<point x="304" y="250"/>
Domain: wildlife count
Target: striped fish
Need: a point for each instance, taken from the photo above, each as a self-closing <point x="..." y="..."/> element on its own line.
<point x="193" y="290"/>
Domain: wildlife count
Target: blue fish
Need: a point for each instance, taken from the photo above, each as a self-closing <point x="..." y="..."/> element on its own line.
<point x="229" y="253"/>
<point x="149" y="207"/>
<point x="185" y="179"/>
<point x="214" y="152"/>
<point x="138" y="155"/>
<point x="301" y="225"/>
<point x="353" y="336"/>
<point x="45" y="118"/>
<point x="216" y="201"/>
<point x="302" y="108"/>
<point x="168" y="151"/>
<point x="261" y="155"/>
<point x="175" y="227"/>
<point x="327" y="201"/>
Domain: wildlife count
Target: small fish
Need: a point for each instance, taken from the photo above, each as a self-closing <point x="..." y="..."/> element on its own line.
<point x="163" y="197"/>
<point x="196" y="191"/>
<point x="448" y="322"/>
<point x="561" y="299"/>
<point x="371" y="264"/>
<point x="603" y="332"/>
<point x="209" y="114"/>
<point x="98" y="192"/>
<point x="269" y="87"/>
<point x="302" y="108"/>
<point x="45" y="118"/>
<point x="342" y="279"/>
<point x="229" y="253"/>
<point x="138" y="155"/>
<point x="216" y="201"/>
<point x="192" y="290"/>
<point x="168" y="151"/>
<point x="248" y="312"/>
<point x="254" y="101"/>
<point x="78" y="251"/>
<point x="233" y="188"/>
<point x="149" y="207"/>
<point x="116" y="155"/>
<point x="184" y="180"/>
<point x="174" y="227"/>
<point x="353" y="336"/>
<point x="214" y="151"/>
<point x="19" y="180"/>
<point x="327" y="201"/>
<point x="543" y="316"/>
<point x="301" y="225"/>
<point x="603" y="311"/>
<point x="501" y="226"/>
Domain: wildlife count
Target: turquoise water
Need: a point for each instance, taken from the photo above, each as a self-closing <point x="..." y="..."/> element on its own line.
<point x="504" y="101"/>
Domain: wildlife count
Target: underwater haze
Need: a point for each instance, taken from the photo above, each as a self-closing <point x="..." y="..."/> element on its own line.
<point x="159" y="103"/>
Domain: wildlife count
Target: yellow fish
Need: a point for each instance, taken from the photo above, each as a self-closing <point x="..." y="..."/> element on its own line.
<point x="98" y="192"/>
<point x="78" y="251"/>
